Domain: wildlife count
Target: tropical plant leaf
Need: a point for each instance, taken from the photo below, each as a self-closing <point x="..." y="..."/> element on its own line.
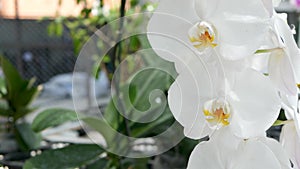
<point x="28" y="95"/>
<point x="155" y="127"/>
<point x="53" y="117"/>
<point x="4" y="109"/>
<point x="22" y="111"/>
<point x="20" y="92"/>
<point x="101" y="163"/>
<point x="3" y="90"/>
<point x="12" y="77"/>
<point x="26" y="138"/>
<point x="65" y="158"/>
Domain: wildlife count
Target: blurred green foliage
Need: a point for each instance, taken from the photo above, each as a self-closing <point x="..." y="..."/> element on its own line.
<point x="16" y="96"/>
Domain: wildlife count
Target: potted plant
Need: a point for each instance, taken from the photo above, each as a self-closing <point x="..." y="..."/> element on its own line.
<point x="16" y="95"/>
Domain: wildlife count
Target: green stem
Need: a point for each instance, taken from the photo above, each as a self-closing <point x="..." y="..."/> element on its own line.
<point x="119" y="60"/>
<point x="266" y="50"/>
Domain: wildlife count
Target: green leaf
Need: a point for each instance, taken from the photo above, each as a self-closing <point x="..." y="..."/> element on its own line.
<point x="139" y="99"/>
<point x="20" y="92"/>
<point x="134" y="43"/>
<point x="281" y="122"/>
<point x="4" y="109"/>
<point x="136" y="163"/>
<point x="24" y="98"/>
<point x="29" y="94"/>
<point x="59" y="29"/>
<point x="2" y="86"/>
<point x="101" y="163"/>
<point x="111" y="115"/>
<point x="68" y="157"/>
<point x="144" y="83"/>
<point x="22" y="111"/>
<point x="53" y="117"/>
<point x="26" y="138"/>
<point x="11" y="73"/>
<point x="115" y="142"/>
<point x="157" y="126"/>
<point x="55" y="28"/>
<point x="13" y="79"/>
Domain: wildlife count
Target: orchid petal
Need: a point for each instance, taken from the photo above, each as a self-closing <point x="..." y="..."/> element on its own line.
<point x="269" y="5"/>
<point x="291" y="46"/>
<point x="297" y="140"/>
<point x="171" y="47"/>
<point x="254" y="154"/>
<point x="205" y="156"/>
<point x="276" y="2"/>
<point x="240" y="32"/>
<point x="297" y="123"/>
<point x="186" y="97"/>
<point x="216" y="152"/>
<point x="291" y="101"/>
<point x="278" y="151"/>
<point x="281" y="72"/>
<point x="206" y="8"/>
<point x="259" y="62"/>
<point x="227" y="143"/>
<point x="172" y="7"/>
<point x="291" y="143"/>
<point x="250" y="35"/>
<point x="255" y="104"/>
<point x="168" y="30"/>
<point x="224" y="150"/>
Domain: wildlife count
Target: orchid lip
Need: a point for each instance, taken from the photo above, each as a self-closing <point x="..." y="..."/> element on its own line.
<point x="217" y="113"/>
<point x="203" y="35"/>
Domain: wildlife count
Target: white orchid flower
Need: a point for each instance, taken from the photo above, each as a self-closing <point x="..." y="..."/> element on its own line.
<point x="202" y="99"/>
<point x="235" y="28"/>
<point x="283" y="58"/>
<point x="290" y="133"/>
<point x="225" y="151"/>
<point x="290" y="141"/>
<point x="284" y="63"/>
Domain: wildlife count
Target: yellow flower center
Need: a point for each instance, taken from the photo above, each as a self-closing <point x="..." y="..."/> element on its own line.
<point x="217" y="117"/>
<point x="217" y="113"/>
<point x="202" y="35"/>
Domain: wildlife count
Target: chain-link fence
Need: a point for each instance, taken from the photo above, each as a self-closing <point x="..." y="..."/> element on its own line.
<point x="36" y="54"/>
